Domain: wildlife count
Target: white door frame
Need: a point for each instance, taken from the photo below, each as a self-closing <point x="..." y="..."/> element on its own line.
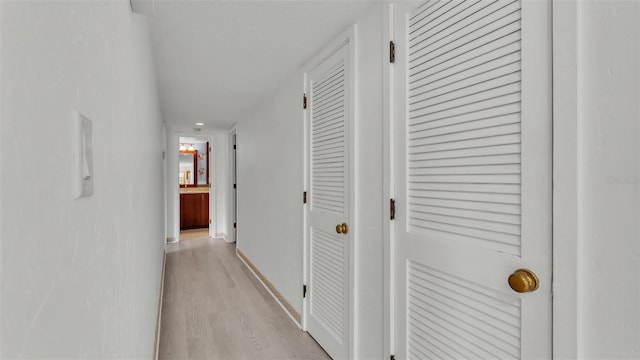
<point x="566" y="133"/>
<point x="348" y="37"/>
<point x="233" y="203"/>
<point x="173" y="183"/>
<point x="388" y="186"/>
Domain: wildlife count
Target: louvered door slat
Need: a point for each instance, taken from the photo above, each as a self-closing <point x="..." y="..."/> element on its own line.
<point x="487" y="59"/>
<point x="464" y="196"/>
<point x="463" y="311"/>
<point x="333" y="79"/>
<point x="461" y="17"/>
<point x="328" y="132"/>
<point x="328" y="109"/>
<point x="449" y="33"/>
<point x="471" y="178"/>
<point x="502" y="47"/>
<point x="435" y="215"/>
<point x="470" y="137"/>
<point x="498" y="149"/>
<point x="327" y="137"/>
<point x="322" y="128"/>
<point x="507" y="169"/>
<point x="465" y="213"/>
<point x="476" y="84"/>
<point x="327" y="278"/>
<point x="461" y="80"/>
<point x="493" y="35"/>
<point x="490" y="207"/>
<point x="513" y="189"/>
<point x="430" y="12"/>
<point x="465" y="113"/>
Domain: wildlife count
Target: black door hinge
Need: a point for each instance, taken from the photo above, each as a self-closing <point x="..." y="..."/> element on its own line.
<point x="304" y="197"/>
<point x="304" y="291"/>
<point x="392" y="52"/>
<point x="234" y="146"/>
<point x="304" y="101"/>
<point x="392" y="357"/>
<point x="234" y="186"/>
<point x="392" y="209"/>
<point x="234" y="225"/>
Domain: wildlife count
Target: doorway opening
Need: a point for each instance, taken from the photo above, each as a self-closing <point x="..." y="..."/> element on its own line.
<point x="194" y="187"/>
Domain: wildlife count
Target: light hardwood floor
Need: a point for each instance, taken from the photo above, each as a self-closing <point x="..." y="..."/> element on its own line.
<point x="214" y="308"/>
<point x="194" y="234"/>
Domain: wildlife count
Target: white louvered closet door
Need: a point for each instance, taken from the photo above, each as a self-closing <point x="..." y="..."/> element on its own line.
<point x="329" y="123"/>
<point x="473" y="178"/>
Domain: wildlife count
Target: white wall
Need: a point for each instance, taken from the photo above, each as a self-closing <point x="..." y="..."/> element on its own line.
<point x="270" y="186"/>
<point x="369" y="188"/>
<point x="597" y="179"/>
<point x="218" y="173"/>
<point x="80" y="278"/>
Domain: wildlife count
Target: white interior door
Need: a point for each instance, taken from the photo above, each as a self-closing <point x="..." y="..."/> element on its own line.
<point x="234" y="176"/>
<point x="329" y="119"/>
<point x="473" y="178"/>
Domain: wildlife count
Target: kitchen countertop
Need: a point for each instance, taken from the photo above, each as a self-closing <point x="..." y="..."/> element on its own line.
<point x="194" y="190"/>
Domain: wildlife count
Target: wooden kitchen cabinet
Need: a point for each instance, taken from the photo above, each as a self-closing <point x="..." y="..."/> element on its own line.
<point x="194" y="211"/>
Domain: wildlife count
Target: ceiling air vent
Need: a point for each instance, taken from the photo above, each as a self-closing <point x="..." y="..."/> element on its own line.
<point x="196" y="129"/>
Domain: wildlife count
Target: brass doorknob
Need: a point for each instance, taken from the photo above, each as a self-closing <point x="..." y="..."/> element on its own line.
<point x="342" y="228"/>
<point x="523" y="280"/>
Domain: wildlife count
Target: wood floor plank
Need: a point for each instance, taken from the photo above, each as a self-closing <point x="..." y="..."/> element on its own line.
<point x="215" y="308"/>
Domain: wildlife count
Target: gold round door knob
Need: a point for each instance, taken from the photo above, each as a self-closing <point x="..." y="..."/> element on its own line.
<point x="523" y="280"/>
<point x="342" y="228"/>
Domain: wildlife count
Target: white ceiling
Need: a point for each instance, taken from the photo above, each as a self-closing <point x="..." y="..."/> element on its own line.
<point x="216" y="60"/>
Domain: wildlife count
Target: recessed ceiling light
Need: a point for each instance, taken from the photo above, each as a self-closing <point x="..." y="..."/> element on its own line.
<point x="199" y="124"/>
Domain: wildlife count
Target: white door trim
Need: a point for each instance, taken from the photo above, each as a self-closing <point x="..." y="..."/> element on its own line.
<point x="388" y="186"/>
<point x="566" y="186"/>
<point x="212" y="189"/>
<point x="232" y="205"/>
<point x="348" y="37"/>
<point x="173" y="183"/>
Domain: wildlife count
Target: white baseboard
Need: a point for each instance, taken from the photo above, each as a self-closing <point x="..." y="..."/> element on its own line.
<point x="222" y="236"/>
<point x="277" y="296"/>
<point x="156" y="349"/>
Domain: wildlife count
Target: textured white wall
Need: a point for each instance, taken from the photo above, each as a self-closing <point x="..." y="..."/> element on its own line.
<point x="270" y="186"/>
<point x="80" y="278"/>
<point x="609" y="265"/>
<point x="369" y="204"/>
<point x="597" y="179"/>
